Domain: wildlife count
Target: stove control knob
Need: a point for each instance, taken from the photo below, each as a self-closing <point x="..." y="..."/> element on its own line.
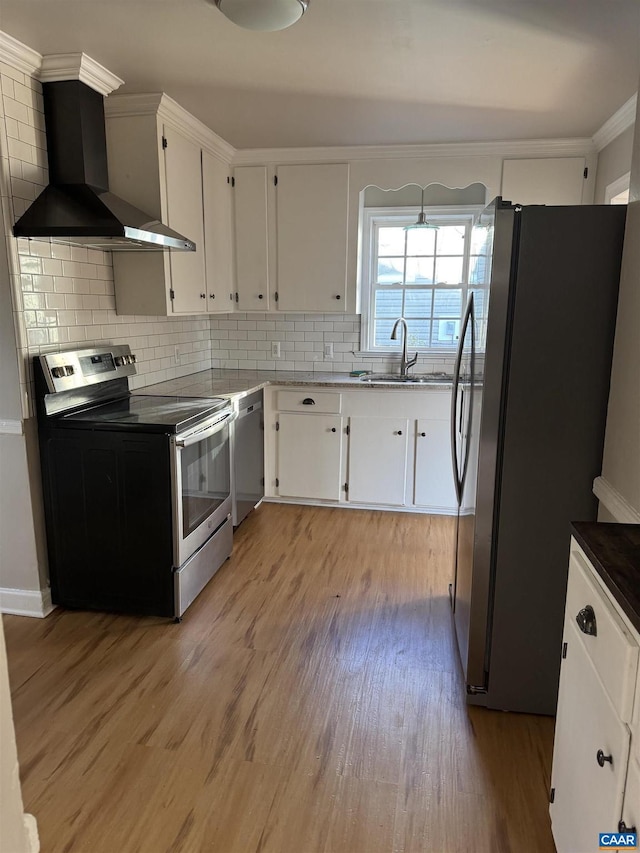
<point x="133" y="359"/>
<point x="118" y="360"/>
<point x="57" y="372"/>
<point x="128" y="359"/>
<point x="69" y="370"/>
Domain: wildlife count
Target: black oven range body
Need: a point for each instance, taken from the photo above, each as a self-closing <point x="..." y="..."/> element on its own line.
<point x="136" y="488"/>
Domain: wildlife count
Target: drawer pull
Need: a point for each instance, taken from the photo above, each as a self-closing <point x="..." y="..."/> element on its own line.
<point x="308" y="401"/>
<point x="601" y="758"/>
<point x="586" y="620"/>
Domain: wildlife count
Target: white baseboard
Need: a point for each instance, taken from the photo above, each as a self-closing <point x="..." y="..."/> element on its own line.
<point x="614" y="502"/>
<point x="26" y="602"/>
<point x="339" y="505"/>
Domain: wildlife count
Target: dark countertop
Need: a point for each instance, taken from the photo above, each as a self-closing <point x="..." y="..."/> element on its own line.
<point x="614" y="551"/>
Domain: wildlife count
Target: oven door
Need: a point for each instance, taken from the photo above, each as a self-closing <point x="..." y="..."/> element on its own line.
<point x="201" y="478"/>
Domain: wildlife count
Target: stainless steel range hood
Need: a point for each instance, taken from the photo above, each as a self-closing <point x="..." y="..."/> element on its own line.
<point x="77" y="207"/>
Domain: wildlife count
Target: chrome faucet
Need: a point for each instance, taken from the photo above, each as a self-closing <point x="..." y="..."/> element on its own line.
<point x="404" y="364"/>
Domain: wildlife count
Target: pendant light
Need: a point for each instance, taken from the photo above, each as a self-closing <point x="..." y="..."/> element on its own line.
<point x="263" y="15"/>
<point x="422" y="221"/>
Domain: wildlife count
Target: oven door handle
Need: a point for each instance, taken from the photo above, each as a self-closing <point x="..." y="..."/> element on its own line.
<point x="207" y="432"/>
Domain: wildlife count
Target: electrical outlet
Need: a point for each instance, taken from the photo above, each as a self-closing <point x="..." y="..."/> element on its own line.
<point x="275" y="349"/>
<point x="328" y="351"/>
<point x="176" y="354"/>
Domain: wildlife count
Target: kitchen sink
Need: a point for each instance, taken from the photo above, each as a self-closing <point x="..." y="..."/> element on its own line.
<point x="410" y="379"/>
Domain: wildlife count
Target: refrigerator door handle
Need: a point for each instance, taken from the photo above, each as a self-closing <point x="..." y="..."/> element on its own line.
<point x="454" y="414"/>
<point x="458" y="476"/>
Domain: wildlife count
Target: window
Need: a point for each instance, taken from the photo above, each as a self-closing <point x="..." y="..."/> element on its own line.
<point x="421" y="274"/>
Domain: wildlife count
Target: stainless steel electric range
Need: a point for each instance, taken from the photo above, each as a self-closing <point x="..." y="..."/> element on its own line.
<point x="136" y="488"/>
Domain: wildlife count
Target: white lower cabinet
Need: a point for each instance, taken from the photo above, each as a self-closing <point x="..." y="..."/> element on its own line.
<point x="588" y="792"/>
<point x="378" y="460"/>
<point x="631" y="806"/>
<point x="433" y="481"/>
<point x="594" y="782"/>
<point x="390" y="449"/>
<point x="309" y="454"/>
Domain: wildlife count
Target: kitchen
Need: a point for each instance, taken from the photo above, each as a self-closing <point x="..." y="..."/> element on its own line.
<point x="68" y="318"/>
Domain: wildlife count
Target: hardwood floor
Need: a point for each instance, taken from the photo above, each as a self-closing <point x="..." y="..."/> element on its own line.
<point x="310" y="702"/>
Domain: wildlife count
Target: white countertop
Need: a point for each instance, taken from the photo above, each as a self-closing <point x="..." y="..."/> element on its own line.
<point x="219" y="382"/>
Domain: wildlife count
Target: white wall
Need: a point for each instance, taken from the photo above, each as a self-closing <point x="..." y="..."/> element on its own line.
<point x="613" y="161"/>
<point x="621" y="464"/>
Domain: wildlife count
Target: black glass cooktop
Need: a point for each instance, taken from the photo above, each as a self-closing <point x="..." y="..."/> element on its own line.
<point x="148" y="413"/>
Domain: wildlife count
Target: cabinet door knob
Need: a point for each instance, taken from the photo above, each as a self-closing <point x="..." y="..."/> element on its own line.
<point x="586" y="620"/>
<point x="260" y="296"/>
<point x="338" y="296"/>
<point x="601" y="758"/>
<point x="212" y="296"/>
<point x="423" y="434"/>
<point x="203" y="296"/>
<point x="308" y="401"/>
<point x="399" y="432"/>
<point x="333" y="429"/>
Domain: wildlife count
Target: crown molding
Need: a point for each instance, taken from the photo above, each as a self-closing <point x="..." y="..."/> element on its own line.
<point x="157" y="103"/>
<point x="520" y="148"/>
<point x="622" y="119"/>
<point x="79" y="66"/>
<point x="19" y="56"/>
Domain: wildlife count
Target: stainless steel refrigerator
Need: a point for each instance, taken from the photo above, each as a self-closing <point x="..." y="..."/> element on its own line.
<point x="529" y="409"/>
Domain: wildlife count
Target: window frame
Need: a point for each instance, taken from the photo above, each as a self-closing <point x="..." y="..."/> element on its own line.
<point x="399" y="216"/>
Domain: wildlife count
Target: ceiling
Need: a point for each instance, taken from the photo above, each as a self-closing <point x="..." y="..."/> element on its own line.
<point x="355" y="72"/>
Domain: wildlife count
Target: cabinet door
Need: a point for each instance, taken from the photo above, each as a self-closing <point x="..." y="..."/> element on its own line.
<point x="312" y="219"/>
<point x="587" y="796"/>
<point x="631" y="806"/>
<point x="218" y="240"/>
<point x="309" y="456"/>
<point x="433" y="482"/>
<point x="252" y="250"/>
<point x="378" y="460"/>
<point x="554" y="180"/>
<point x="183" y="172"/>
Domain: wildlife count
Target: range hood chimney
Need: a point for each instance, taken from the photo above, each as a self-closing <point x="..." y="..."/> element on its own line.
<point x="77" y="207"/>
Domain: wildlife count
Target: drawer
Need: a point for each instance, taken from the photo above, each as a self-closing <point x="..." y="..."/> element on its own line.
<point x="613" y="649"/>
<point x="310" y="400"/>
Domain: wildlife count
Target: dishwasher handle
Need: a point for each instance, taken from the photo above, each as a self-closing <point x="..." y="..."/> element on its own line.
<point x="250" y="410"/>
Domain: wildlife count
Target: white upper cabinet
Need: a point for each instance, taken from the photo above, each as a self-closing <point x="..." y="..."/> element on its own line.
<point x="291" y="227"/>
<point x="312" y="204"/>
<point x="553" y="180"/>
<point x="155" y="151"/>
<point x="183" y="181"/>
<point x="252" y="240"/>
<point x="218" y="233"/>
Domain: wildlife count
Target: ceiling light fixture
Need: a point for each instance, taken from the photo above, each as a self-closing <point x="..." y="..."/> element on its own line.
<point x="422" y="221"/>
<point x="263" y="15"/>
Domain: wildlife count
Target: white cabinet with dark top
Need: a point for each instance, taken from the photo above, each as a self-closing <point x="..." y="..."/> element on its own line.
<point x="595" y="778"/>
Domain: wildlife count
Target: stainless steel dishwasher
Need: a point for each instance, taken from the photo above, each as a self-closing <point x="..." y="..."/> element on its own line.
<point x="247" y="449"/>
